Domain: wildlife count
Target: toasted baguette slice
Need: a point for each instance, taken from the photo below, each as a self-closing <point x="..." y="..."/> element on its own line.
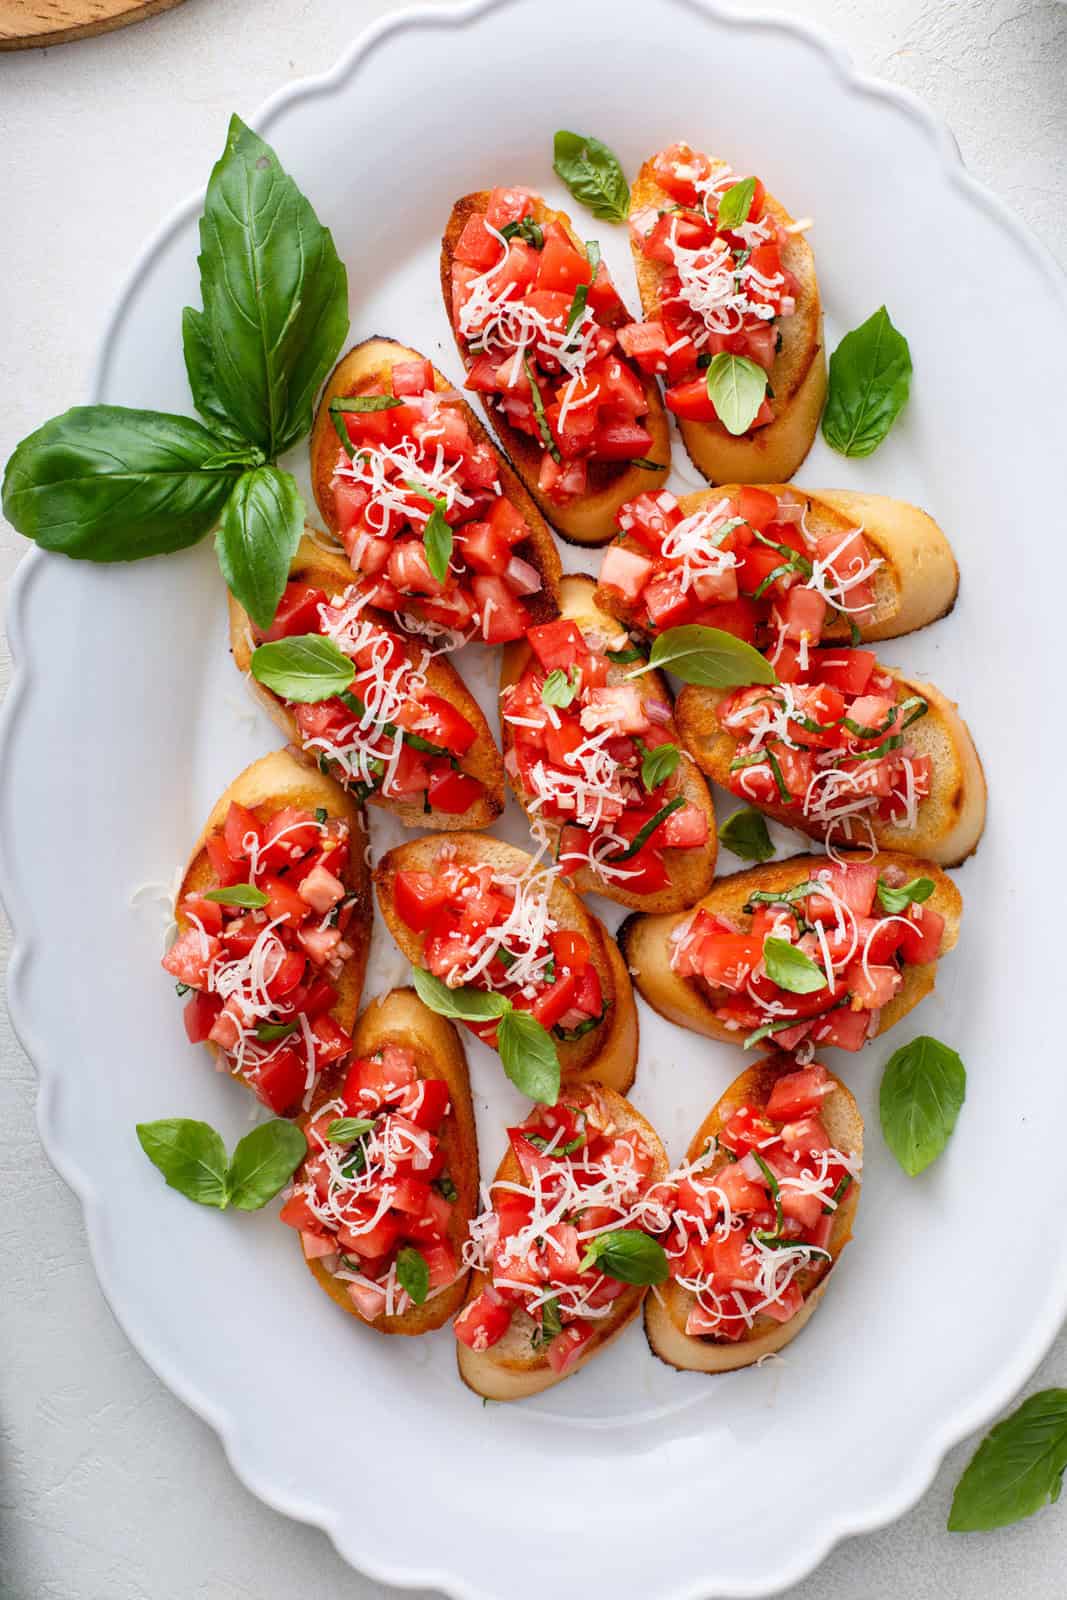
<point x="400" y="1018"/>
<point x="949" y="822"/>
<point x="797" y="379"/>
<point x="916" y="584"/>
<point x="646" y="941"/>
<point x="691" y="871"/>
<point x="589" y="519"/>
<point x="606" y="1054"/>
<point x="319" y="567"/>
<point x="266" y="787"/>
<point x="513" y="1368"/>
<point x="668" y="1307"/>
<point x="372" y="362"/>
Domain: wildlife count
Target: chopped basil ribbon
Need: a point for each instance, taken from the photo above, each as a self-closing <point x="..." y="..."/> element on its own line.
<point x="644" y="834"/>
<point x="776" y="1194"/>
<point x="592" y="255"/>
<point x="622" y="658"/>
<point x="361" y="404"/>
<point x="578" y="304"/>
<point x="267" y="1032"/>
<point x="579" y="1031"/>
<point x="784" y="897"/>
<point x="761" y="758"/>
<point x="648" y="465"/>
<point x="539" y="412"/>
<point x="526" y="229"/>
<point x="838" y="1195"/>
<point x="914" y="707"/>
<point x="551" y="1325"/>
<point x="769" y="1028"/>
<point x="239" y="894"/>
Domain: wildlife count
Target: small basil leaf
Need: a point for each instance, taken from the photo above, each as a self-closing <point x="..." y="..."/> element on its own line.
<point x="560" y="687"/>
<point x="269" y="1032"/>
<point x="437" y="542"/>
<point x="923" y="1088"/>
<point x="257" y="539"/>
<point x="790" y="968"/>
<point x="529" y="1056"/>
<point x="239" y="894"/>
<point x="659" y="764"/>
<point x="263" y="1162"/>
<point x="343" y="1130"/>
<point x="413" y="1274"/>
<point x="736" y="388"/>
<point x="709" y="657"/>
<point x="191" y="1157"/>
<point x="551" y="1321"/>
<point x="593" y="175"/>
<point x="870" y="377"/>
<point x="466" y="1004"/>
<point x="736" y="203"/>
<point x="306" y="667"/>
<point x="1016" y="1469"/>
<point x="103" y="483"/>
<point x="629" y="1256"/>
<point x="897" y="900"/>
<point x="744" y="833"/>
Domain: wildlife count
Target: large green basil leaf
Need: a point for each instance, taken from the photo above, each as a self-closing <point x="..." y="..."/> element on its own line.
<point x="257" y="539"/>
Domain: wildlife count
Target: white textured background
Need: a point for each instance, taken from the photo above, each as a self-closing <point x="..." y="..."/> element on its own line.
<point x="109" y="1488"/>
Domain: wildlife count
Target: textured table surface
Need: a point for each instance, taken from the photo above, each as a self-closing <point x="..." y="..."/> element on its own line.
<point x="109" y="1488"/>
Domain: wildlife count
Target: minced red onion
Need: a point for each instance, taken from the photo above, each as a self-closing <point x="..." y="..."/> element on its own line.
<point x="657" y="712"/>
<point x="522" y="577"/>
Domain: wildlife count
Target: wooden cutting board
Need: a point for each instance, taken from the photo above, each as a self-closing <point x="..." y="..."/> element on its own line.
<point x="27" y="24"/>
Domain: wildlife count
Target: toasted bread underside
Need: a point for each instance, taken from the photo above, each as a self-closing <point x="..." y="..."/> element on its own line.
<point x="798" y="377"/>
<point x="331" y="572"/>
<point x="645" y="941"/>
<point x="591" y="518"/>
<point x="266" y="787"/>
<point x="513" y="1368"/>
<point x="606" y="1054"/>
<point x="691" y="871"/>
<point x="949" y="822"/>
<point x="668" y="1307"/>
<point x="399" y="1018"/>
<point x="916" y="584"/>
<point x="371" y="362"/>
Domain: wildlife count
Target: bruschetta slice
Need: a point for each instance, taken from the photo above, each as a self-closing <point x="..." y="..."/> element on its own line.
<point x="799" y="952"/>
<point x="437" y="528"/>
<point x="575" y="1174"/>
<point x="758" y="1217"/>
<point x="538" y="323"/>
<point x="274" y="920"/>
<point x="741" y="285"/>
<point x="597" y="763"/>
<point x="473" y="910"/>
<point x="407" y="734"/>
<point x="385" y="1197"/>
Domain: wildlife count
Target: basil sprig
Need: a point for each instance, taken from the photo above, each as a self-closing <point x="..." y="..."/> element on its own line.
<point x="239" y="894"/>
<point x="108" y="483"/>
<point x="593" y="175"/>
<point x="526" y="1049"/>
<point x="870" y="378"/>
<point x="894" y="900"/>
<point x="709" y="657"/>
<point x="744" y="833"/>
<point x="736" y="388"/>
<point x="1017" y="1468"/>
<point x="628" y="1256"/>
<point x="923" y="1088"/>
<point x="192" y="1158"/>
<point x="790" y="968"/>
<point x="736" y="204"/>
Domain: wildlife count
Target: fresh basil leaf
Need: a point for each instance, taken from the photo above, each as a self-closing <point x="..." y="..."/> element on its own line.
<point x="551" y="1322"/>
<point x="191" y="1157"/>
<point x="445" y="1187"/>
<point x="628" y="1256"/>
<point x="645" y="832"/>
<point x="736" y="388"/>
<point x="539" y="412"/>
<point x="344" y="1130"/>
<point x="790" y="968"/>
<point x="647" y="464"/>
<point x="744" y="833"/>
<point x="263" y="1162"/>
<point x="923" y="1088"/>
<point x="437" y="542"/>
<point x="736" y="204"/>
<point x="622" y="658"/>
<point x="257" y="539"/>
<point x="363" y="403"/>
<point x="466" y="1004"/>
<point x="307" y="667"/>
<point x="560" y="688"/>
<point x="526" y="229"/>
<point x="413" y="1274"/>
<point x="659" y="764"/>
<point x="1017" y="1469"/>
<point x="897" y="900"/>
<point x="239" y="894"/>
<point x="592" y="174"/>
<point x="529" y="1056"/>
<point x="275" y="297"/>
<point x="592" y="255"/>
<point x="578" y="305"/>
<point x="269" y="1032"/>
<point x="103" y="483"/>
<point x="767" y="1030"/>
<point x="709" y="657"/>
<point x="870" y="377"/>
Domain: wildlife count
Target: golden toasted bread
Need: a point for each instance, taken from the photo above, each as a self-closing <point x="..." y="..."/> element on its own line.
<point x="646" y="944"/>
<point x="690" y="871"/>
<point x="332" y="573"/>
<point x="607" y="1054"/>
<point x="514" y="1368"/>
<point x="589" y="519"/>
<point x="399" y="1018"/>
<point x="797" y="378"/>
<point x="668" y="1306"/>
